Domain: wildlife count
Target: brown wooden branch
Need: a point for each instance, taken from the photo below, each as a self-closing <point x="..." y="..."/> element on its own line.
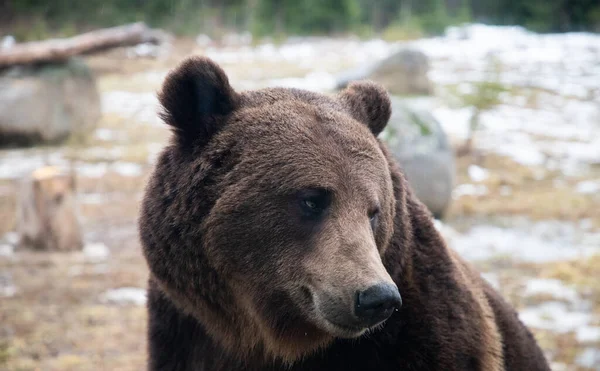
<point x="56" y="50"/>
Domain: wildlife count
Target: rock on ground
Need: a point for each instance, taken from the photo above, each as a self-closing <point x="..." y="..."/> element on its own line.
<point x="419" y="143"/>
<point x="403" y="73"/>
<point x="47" y="103"/>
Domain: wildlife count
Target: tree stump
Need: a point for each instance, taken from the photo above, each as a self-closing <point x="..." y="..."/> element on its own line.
<point x="47" y="217"/>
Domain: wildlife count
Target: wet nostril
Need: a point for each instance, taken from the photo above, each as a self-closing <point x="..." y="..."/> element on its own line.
<point x="377" y="303"/>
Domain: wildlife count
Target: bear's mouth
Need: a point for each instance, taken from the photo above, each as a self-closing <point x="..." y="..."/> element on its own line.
<point x="345" y="331"/>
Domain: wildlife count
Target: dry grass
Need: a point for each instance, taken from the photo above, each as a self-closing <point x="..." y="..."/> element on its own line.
<point x="57" y="320"/>
<point x="534" y="193"/>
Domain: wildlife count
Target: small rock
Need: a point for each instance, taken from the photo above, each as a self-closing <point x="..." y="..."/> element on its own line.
<point x="405" y="72"/>
<point x="96" y="252"/>
<point x="65" y="97"/>
<point x="420" y="144"/>
<point x="125" y="295"/>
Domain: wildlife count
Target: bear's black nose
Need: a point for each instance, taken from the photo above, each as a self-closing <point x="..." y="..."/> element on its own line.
<point x="377" y="303"/>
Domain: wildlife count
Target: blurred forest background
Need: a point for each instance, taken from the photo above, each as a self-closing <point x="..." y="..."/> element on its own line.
<point x="35" y="19"/>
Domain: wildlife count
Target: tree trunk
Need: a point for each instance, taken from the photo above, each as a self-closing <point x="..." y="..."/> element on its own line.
<point x="62" y="49"/>
<point x="46" y="214"/>
<point x="405" y="11"/>
<point x="279" y="18"/>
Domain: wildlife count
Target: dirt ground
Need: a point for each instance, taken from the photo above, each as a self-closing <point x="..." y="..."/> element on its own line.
<point x="56" y="311"/>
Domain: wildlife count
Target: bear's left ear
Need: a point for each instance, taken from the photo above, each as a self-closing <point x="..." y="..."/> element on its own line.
<point x="195" y="96"/>
<point x="368" y="103"/>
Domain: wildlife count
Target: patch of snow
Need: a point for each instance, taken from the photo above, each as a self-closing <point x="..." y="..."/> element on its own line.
<point x="203" y="40"/>
<point x="12" y="238"/>
<point x="477" y="173"/>
<point x="7" y="287"/>
<point x="555" y="117"/>
<point x="147" y="50"/>
<point x="589" y="358"/>
<point x="492" y="279"/>
<point x="586" y="224"/>
<point x="154" y="149"/>
<point x="92" y="198"/>
<point x="588" y="334"/>
<point x="536" y="242"/>
<point x="75" y="270"/>
<point x="103" y="154"/>
<point x="15" y="164"/>
<point x="556" y="288"/>
<point x="554" y="316"/>
<point x="237" y="39"/>
<point x="127" y="169"/>
<point x="454" y="121"/>
<point x="105" y="134"/>
<point x="588" y="187"/>
<point x="125" y="295"/>
<point x="96" y="252"/>
<point x="505" y="190"/>
<point x="6" y="250"/>
<point x="142" y="107"/>
<point x="557" y="366"/>
<point x="91" y="170"/>
<point x="7" y="42"/>
<point x="306" y="52"/>
<point x="469" y="190"/>
<point x="315" y="81"/>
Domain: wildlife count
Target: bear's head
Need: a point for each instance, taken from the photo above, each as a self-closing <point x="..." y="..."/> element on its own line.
<point x="269" y="212"/>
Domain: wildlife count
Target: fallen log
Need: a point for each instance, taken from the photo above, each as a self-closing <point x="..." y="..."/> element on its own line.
<point x="57" y="50"/>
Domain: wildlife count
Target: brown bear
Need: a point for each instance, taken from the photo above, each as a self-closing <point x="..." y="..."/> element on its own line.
<point x="281" y="235"/>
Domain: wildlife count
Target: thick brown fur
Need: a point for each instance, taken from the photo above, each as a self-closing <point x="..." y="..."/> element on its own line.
<point x="242" y="280"/>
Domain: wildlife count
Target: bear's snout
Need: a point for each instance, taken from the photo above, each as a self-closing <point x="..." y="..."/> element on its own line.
<point x="349" y="313"/>
<point x="377" y="303"/>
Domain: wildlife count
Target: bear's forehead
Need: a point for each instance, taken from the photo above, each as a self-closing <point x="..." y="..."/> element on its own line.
<point x="307" y="145"/>
<point x="299" y="129"/>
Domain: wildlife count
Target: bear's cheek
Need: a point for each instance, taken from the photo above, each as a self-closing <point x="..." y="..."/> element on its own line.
<point x="257" y="245"/>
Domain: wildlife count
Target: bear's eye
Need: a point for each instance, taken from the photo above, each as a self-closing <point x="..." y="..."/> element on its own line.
<point x="314" y="202"/>
<point x="373" y="217"/>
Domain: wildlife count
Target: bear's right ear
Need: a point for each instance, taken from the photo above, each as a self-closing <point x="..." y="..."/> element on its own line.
<point x="195" y="97"/>
<point x="368" y="103"/>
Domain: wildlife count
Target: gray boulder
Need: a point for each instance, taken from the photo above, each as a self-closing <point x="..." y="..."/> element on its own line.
<point x="403" y="73"/>
<point x="45" y="104"/>
<point x="421" y="146"/>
